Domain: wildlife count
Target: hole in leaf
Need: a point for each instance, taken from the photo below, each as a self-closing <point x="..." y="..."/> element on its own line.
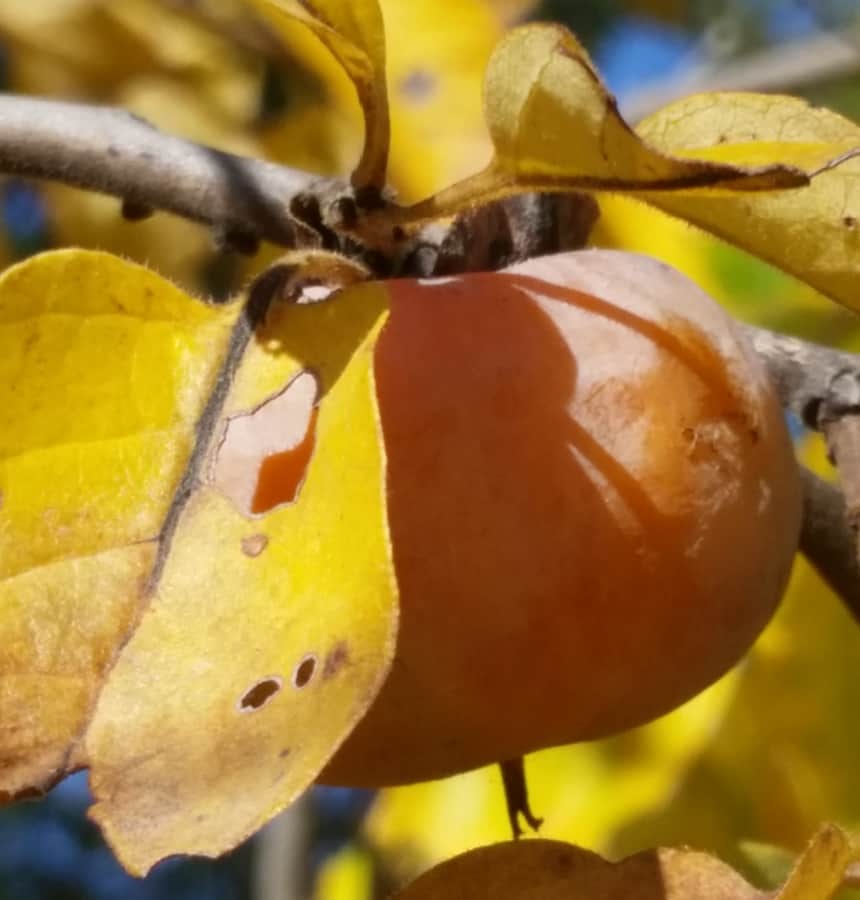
<point x="254" y="544"/>
<point x="281" y="474"/>
<point x="304" y="671"/>
<point x="264" y="455"/>
<point x="260" y="694"/>
<point x="315" y="293"/>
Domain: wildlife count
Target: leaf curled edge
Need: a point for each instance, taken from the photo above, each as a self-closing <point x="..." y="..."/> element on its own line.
<point x="556" y="127"/>
<point x="268" y="635"/>
<point x="353" y="31"/>
<point x="812" y="232"/>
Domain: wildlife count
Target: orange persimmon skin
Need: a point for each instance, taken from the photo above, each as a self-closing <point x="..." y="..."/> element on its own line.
<point x="593" y="506"/>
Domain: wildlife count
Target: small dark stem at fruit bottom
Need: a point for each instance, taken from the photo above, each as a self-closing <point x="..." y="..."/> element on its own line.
<point x="517" y="796"/>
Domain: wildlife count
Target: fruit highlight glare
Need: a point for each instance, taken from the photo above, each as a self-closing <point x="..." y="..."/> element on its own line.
<point x="593" y="506"/>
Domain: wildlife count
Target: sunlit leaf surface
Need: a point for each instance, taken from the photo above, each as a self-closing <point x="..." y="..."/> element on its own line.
<point x="185" y="607"/>
<point x="353" y="31"/>
<point x="812" y="232"/>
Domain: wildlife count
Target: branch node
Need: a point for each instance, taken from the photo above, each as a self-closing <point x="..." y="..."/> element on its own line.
<point x="843" y="395"/>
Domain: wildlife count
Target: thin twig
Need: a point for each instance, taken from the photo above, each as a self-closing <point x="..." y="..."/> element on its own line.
<point x="513" y="773"/>
<point x="842" y="434"/>
<point x="113" y="152"/>
<point x="806" y="374"/>
<point x="822" y="387"/>
<point x="826" y="541"/>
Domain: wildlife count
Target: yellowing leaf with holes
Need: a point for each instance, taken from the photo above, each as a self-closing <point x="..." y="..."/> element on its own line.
<point x="812" y="232"/>
<point x="555" y="126"/>
<point x="353" y="31"/>
<point x="184" y="606"/>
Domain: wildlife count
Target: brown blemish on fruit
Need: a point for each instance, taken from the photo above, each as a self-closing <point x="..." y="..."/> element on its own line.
<point x="336" y="659"/>
<point x="254" y="544"/>
<point x="259" y="694"/>
<point x="263" y="455"/>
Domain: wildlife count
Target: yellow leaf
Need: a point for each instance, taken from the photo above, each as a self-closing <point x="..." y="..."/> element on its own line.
<point x="104" y="369"/>
<point x="812" y="232"/>
<point x="555" y="126"/>
<point x="353" y="31"/>
<point x="552" y="870"/>
<point x="436" y="55"/>
<point x="821" y="868"/>
<point x="751" y="289"/>
<point x="171" y="619"/>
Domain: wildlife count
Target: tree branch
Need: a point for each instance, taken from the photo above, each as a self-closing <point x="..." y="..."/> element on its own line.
<point x="822" y="387"/>
<point x="785" y="69"/>
<point x="806" y="374"/>
<point x="826" y="541"/>
<point x="113" y="152"/>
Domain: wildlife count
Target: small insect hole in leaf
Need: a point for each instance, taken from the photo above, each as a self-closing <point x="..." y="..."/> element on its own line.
<point x="315" y="293"/>
<point x="260" y="694"/>
<point x="304" y="671"/>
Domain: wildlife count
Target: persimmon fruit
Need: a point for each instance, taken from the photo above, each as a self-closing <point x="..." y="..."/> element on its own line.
<point x="593" y="506"/>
